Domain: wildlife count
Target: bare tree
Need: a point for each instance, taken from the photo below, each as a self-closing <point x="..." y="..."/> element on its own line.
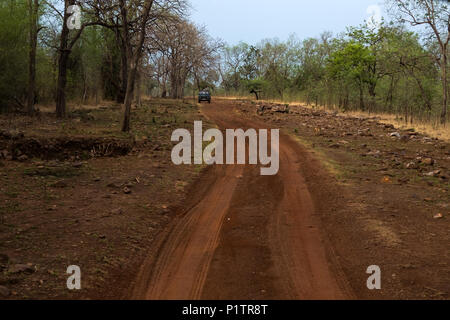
<point x="435" y="15"/>
<point x="183" y="51"/>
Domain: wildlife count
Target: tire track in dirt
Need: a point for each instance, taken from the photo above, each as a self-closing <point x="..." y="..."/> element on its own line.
<point x="246" y="237"/>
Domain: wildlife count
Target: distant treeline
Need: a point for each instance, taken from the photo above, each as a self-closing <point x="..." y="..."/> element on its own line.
<point x="122" y="50"/>
<point x="128" y="48"/>
<point x="381" y="67"/>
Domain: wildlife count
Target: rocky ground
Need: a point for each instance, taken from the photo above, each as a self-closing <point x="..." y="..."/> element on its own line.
<point x="395" y="186"/>
<point x="79" y="192"/>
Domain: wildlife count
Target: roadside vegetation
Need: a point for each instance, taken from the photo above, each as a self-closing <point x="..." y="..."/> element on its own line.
<point x="398" y="67"/>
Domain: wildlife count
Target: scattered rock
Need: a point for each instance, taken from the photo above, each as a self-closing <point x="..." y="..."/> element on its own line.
<point x="77" y="164"/>
<point x="21" y="268"/>
<point x="428" y="161"/>
<point x="59" y="184"/>
<point x="117" y="211"/>
<point x="435" y="173"/>
<point x="405" y="138"/>
<point x="411" y="165"/>
<point x="126" y="190"/>
<point x="114" y="185"/>
<point x="376" y="153"/>
<point x="23" y="157"/>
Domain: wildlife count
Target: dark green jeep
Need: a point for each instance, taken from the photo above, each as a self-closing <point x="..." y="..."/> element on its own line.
<point x="204" y="96"/>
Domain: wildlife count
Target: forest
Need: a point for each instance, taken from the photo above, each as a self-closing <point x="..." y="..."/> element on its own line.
<point x="126" y="50"/>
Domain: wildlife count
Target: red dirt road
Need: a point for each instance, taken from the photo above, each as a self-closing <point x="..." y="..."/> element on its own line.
<point x="245" y="236"/>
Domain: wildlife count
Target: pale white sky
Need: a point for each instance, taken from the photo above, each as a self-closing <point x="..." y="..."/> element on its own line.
<point x="254" y="20"/>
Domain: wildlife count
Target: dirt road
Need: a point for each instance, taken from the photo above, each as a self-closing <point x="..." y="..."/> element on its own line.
<point x="245" y="236"/>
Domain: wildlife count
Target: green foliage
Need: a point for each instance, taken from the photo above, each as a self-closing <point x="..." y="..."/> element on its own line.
<point x="387" y="69"/>
<point x="13" y="52"/>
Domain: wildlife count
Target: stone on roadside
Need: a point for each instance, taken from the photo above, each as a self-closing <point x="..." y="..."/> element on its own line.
<point x="59" y="184"/>
<point x="23" y="157"/>
<point x="21" y="268"/>
<point x="126" y="190"/>
<point x="117" y="211"/>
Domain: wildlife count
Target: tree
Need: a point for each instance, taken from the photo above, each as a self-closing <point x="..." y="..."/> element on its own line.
<point x="66" y="45"/>
<point x="434" y="14"/>
<point x="33" y="12"/>
<point x="133" y="50"/>
<point x="13" y="52"/>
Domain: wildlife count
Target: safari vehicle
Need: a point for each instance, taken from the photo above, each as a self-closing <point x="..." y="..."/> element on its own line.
<point x="204" y="96"/>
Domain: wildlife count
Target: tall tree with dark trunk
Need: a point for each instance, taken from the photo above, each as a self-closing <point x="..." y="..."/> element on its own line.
<point x="134" y="52"/>
<point x="65" y="48"/>
<point x="33" y="9"/>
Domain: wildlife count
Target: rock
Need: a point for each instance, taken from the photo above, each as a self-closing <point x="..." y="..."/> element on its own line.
<point x="126" y="190"/>
<point x="405" y="138"/>
<point x="438" y="216"/>
<point x="4" y="291"/>
<point x="77" y="164"/>
<point x="428" y="161"/>
<point x="114" y="185"/>
<point x="395" y="134"/>
<point x="23" y="157"/>
<point x="411" y="165"/>
<point x="59" y="184"/>
<point x="117" y="211"/>
<point x="435" y="173"/>
<point x="21" y="268"/>
<point x="375" y="154"/>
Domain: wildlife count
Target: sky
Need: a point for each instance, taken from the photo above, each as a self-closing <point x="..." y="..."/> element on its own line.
<point x="254" y="20"/>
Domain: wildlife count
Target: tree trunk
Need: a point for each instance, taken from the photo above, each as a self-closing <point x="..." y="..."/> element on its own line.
<point x="61" y="84"/>
<point x="124" y="74"/>
<point x="62" y="65"/>
<point x="134" y="58"/>
<point x="33" y="12"/>
<point x="445" y="89"/>
<point x="138" y="89"/>
<point x="361" y="98"/>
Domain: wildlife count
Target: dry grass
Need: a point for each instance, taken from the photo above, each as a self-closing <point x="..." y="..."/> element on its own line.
<point x="430" y="129"/>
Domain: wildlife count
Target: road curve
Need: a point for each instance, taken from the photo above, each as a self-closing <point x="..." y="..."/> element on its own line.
<point x="244" y="236"/>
